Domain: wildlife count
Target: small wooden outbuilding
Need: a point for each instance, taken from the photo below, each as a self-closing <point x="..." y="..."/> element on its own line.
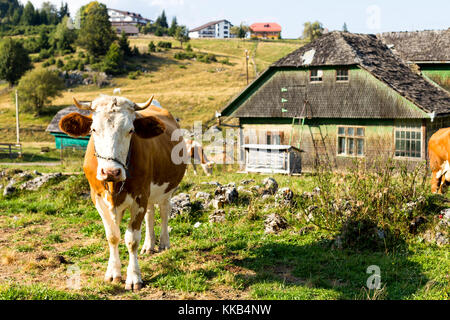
<point x="62" y="140"/>
<point x="266" y="158"/>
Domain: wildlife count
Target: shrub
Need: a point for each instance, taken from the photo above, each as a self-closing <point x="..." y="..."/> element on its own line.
<point x="51" y="61"/>
<point x="151" y="47"/>
<point x="386" y="195"/>
<point x="184" y="55"/>
<point x="134" y="75"/>
<point x="59" y="63"/>
<point x="38" y="87"/>
<point x="165" y="44"/>
<point x="14" y="61"/>
<point x="188" y="48"/>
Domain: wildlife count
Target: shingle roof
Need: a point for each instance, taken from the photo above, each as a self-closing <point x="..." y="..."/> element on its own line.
<point x="369" y="53"/>
<point x="128" y="29"/>
<point x="419" y="46"/>
<point x="54" y="124"/>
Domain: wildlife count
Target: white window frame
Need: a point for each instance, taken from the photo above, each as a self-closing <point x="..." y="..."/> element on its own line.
<point x="347" y="138"/>
<point x="408" y="128"/>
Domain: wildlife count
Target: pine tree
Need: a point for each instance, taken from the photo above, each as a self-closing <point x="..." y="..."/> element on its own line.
<point x="344" y="28"/>
<point x="124" y="45"/>
<point x="173" y="27"/>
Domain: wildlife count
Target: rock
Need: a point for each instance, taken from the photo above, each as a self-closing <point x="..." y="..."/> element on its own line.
<point x="217" y="216"/>
<point x="284" y="197"/>
<point x="9" y="189"/>
<point x="212" y="183"/>
<point x="274" y="223"/>
<point x="37" y="173"/>
<point x="441" y="239"/>
<point x="270" y="185"/>
<point x="445" y="220"/>
<point x="218" y="203"/>
<point x="181" y="204"/>
<point x="38" y="182"/>
<point x="246" y="182"/>
<point x="25" y="176"/>
<point x="228" y="194"/>
<point x="197" y="225"/>
<point x="204" y="196"/>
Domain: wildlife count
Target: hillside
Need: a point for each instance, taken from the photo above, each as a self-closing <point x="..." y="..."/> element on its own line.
<point x="191" y="90"/>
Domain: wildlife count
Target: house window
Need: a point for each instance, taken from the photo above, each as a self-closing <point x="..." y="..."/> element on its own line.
<point x="342" y="75"/>
<point x="408" y="139"/>
<point x="316" y="75"/>
<point x="351" y="141"/>
<point x="274" y="138"/>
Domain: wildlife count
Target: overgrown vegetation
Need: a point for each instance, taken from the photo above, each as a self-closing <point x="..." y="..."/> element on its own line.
<point x="235" y="258"/>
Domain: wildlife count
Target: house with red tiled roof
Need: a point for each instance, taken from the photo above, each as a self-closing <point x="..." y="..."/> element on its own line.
<point x="265" y="30"/>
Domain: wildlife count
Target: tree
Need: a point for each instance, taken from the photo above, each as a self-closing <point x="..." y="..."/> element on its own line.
<point x="312" y="30"/>
<point x="344" y="27"/>
<point x="14" y="61"/>
<point x="64" y="37"/>
<point x="49" y="14"/>
<point x="63" y="11"/>
<point x="162" y="20"/>
<point x="38" y="87"/>
<point x="113" y="61"/>
<point x="124" y="44"/>
<point x="42" y="40"/>
<point x="96" y="33"/>
<point x="240" y="31"/>
<point x="29" y="16"/>
<point x="182" y="35"/>
<point x="173" y="27"/>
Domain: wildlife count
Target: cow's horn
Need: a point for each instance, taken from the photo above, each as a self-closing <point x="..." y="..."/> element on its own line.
<point x="81" y="105"/>
<point x="142" y="106"/>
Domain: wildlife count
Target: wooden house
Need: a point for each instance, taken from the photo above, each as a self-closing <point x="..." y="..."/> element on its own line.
<point x="62" y="140"/>
<point x="429" y="50"/>
<point x="342" y="97"/>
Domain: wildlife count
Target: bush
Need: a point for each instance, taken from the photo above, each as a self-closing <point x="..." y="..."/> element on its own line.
<point x="38" y="87"/>
<point x="72" y="65"/>
<point x="188" y="48"/>
<point x="113" y="61"/>
<point x="134" y="75"/>
<point x="59" y="63"/>
<point x="165" y="44"/>
<point x="151" y="47"/>
<point x="184" y="55"/>
<point x="207" y="58"/>
<point x="51" y="61"/>
<point x="386" y="195"/>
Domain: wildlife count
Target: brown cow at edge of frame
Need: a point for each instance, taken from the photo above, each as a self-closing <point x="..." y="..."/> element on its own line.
<point x="439" y="154"/>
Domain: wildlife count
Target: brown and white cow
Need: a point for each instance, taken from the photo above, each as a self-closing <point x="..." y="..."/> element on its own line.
<point x="197" y="156"/>
<point x="128" y="165"/>
<point x="439" y="155"/>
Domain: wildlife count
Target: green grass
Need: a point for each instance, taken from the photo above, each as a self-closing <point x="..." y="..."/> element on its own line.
<point x="221" y="260"/>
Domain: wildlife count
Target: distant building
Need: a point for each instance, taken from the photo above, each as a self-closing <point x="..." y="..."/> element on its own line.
<point x="216" y="29"/>
<point x="122" y="18"/>
<point x="129" y="30"/>
<point x="265" y="30"/>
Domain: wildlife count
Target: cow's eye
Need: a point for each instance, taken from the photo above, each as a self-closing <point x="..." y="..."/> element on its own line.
<point x="131" y="131"/>
<point x="93" y="130"/>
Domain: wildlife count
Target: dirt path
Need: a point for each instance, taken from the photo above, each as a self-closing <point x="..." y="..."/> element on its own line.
<point x="30" y="164"/>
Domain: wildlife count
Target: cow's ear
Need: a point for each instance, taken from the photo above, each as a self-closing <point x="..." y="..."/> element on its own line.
<point x="149" y="127"/>
<point x="75" y="125"/>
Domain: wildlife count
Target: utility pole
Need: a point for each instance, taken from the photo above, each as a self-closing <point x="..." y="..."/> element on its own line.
<point x="17" y="119"/>
<point x="246" y="62"/>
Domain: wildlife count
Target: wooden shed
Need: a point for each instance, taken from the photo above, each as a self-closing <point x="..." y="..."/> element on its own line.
<point x="342" y="97"/>
<point x="62" y="140"/>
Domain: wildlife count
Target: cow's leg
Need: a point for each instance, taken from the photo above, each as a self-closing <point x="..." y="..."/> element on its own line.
<point x="132" y="239"/>
<point x="164" y="208"/>
<point x="194" y="167"/>
<point x="111" y="223"/>
<point x="150" y="238"/>
<point x="434" y="182"/>
<point x="205" y="169"/>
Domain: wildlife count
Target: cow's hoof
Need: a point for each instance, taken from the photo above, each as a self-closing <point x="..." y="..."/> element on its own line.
<point x="163" y="248"/>
<point x="134" y="286"/>
<point x="148" y="251"/>
<point x="115" y="280"/>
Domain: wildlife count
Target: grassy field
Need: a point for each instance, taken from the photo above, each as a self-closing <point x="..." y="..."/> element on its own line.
<point x="191" y="90"/>
<point x="46" y="233"/>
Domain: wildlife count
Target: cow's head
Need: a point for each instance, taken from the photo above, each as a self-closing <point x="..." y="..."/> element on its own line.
<point x="112" y="124"/>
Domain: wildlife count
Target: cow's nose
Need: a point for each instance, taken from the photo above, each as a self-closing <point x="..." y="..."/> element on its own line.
<point x="111" y="174"/>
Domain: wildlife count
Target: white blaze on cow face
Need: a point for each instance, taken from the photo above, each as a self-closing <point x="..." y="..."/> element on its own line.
<point x="112" y="128"/>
